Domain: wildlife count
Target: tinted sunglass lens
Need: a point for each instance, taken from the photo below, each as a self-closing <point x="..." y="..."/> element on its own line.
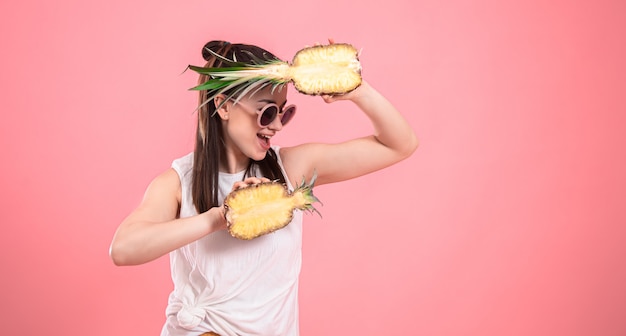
<point x="288" y="115"/>
<point x="268" y="115"/>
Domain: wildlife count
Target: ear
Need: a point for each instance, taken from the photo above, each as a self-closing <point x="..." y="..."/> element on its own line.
<point x="222" y="106"/>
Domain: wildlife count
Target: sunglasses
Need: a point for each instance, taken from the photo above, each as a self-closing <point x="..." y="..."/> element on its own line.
<point x="268" y="113"/>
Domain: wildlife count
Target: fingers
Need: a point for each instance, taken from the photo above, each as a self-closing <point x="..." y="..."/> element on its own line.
<point x="317" y="44"/>
<point x="249" y="181"/>
<point x="333" y="98"/>
<point x="328" y="98"/>
<point x="256" y="180"/>
<point x="223" y="223"/>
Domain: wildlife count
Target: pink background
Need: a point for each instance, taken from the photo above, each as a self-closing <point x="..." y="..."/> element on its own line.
<point x="508" y="220"/>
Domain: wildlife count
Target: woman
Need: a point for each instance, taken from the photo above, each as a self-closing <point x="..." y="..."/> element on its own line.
<point x="223" y="285"/>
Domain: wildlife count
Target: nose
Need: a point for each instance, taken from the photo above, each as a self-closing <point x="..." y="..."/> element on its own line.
<point x="276" y="124"/>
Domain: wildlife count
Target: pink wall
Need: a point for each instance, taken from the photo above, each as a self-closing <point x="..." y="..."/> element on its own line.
<point x="509" y="219"/>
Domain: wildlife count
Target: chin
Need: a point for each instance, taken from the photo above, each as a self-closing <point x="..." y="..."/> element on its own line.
<point x="258" y="155"/>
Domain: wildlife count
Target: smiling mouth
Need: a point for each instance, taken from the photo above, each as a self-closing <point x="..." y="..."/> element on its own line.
<point x="264" y="138"/>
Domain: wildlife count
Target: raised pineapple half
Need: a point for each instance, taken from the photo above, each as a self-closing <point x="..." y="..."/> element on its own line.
<point x="318" y="70"/>
<point x="266" y="207"/>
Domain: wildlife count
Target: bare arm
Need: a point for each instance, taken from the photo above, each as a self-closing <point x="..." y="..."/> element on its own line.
<point x="393" y="140"/>
<point x="153" y="229"/>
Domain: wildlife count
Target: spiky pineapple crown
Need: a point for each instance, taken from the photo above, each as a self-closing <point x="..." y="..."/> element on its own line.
<point x="306" y="189"/>
<point x="238" y="79"/>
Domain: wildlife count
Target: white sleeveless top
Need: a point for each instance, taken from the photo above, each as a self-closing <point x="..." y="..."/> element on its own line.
<point x="232" y="286"/>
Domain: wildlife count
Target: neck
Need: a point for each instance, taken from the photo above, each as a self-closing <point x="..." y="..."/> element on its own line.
<point x="234" y="163"/>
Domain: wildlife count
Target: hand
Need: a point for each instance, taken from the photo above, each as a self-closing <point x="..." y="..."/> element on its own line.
<point x="219" y="218"/>
<point x="346" y="96"/>
<point x="248" y="182"/>
<point x="222" y="224"/>
<point x="330" y="41"/>
<point x="352" y="95"/>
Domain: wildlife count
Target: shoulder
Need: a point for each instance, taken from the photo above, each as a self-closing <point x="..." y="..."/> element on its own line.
<point x="183" y="165"/>
<point x="166" y="185"/>
<point x="297" y="161"/>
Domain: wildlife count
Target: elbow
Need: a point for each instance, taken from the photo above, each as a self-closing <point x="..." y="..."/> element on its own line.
<point x="119" y="255"/>
<point x="410" y="146"/>
<point x="415" y="143"/>
<point x="128" y="253"/>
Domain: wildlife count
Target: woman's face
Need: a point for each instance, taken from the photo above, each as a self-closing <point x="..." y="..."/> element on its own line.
<point x="243" y="135"/>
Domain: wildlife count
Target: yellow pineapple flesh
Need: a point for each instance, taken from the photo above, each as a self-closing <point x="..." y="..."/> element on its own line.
<point x="326" y="69"/>
<point x="265" y="207"/>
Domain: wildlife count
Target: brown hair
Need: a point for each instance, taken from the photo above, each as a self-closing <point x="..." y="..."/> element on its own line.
<point x="209" y="147"/>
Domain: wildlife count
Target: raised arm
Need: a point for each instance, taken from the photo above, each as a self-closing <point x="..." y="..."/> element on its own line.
<point x="153" y="229"/>
<point x="393" y="140"/>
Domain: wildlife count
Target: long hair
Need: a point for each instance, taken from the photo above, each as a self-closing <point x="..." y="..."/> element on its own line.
<point x="209" y="145"/>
